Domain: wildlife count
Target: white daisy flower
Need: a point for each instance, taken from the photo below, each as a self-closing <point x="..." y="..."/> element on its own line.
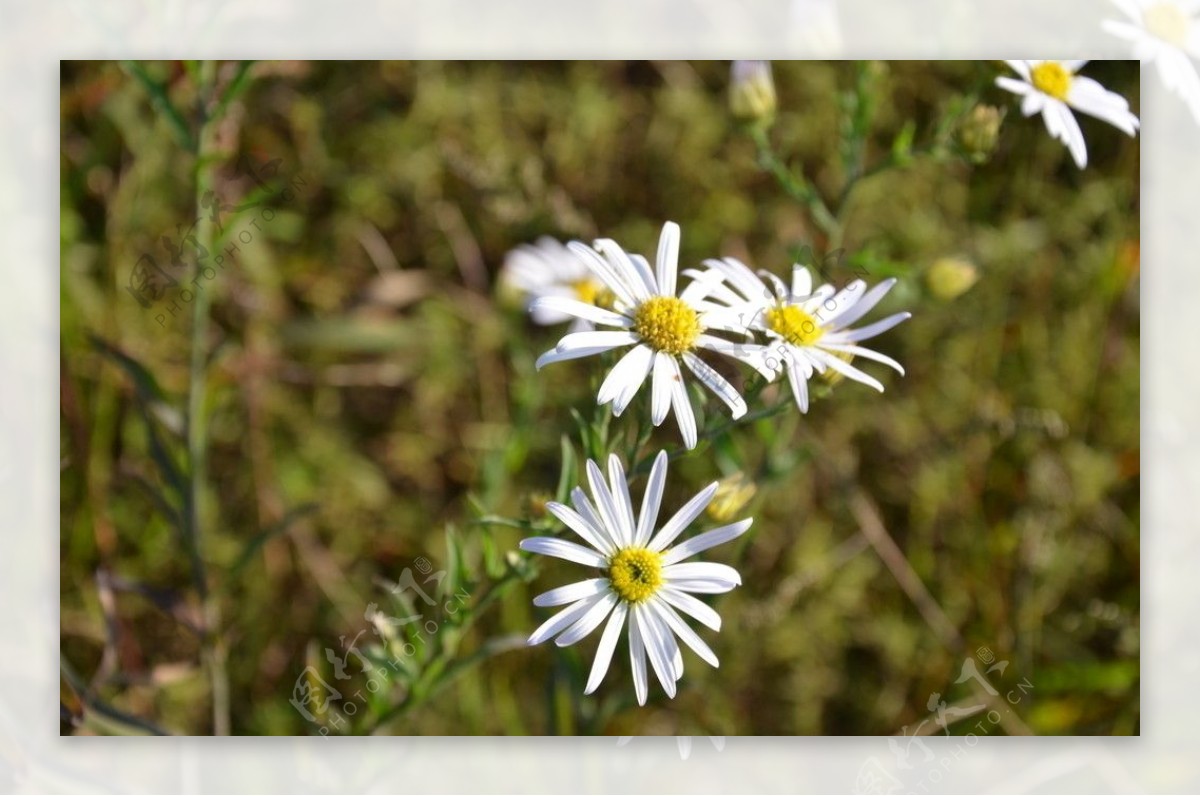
<point x="664" y="329"/>
<point x="641" y="578"/>
<point x="1052" y="88"/>
<point x="549" y="268"/>
<point x="810" y="330"/>
<point x="1166" y="32"/>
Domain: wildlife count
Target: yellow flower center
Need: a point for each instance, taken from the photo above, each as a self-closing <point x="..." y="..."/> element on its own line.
<point x="668" y="324"/>
<point x="635" y="573"/>
<point x="589" y="291"/>
<point x="1167" y="22"/>
<point x="1051" y="77"/>
<point x="794" y="325"/>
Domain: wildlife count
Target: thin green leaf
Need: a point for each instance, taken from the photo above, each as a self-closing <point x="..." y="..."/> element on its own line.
<point x="258" y="540"/>
<point x="162" y="103"/>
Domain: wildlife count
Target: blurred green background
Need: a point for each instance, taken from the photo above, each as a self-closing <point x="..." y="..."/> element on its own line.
<point x="362" y="366"/>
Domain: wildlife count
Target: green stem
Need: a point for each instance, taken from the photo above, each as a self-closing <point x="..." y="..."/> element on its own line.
<point x="214" y="650"/>
<point x="797" y="187"/>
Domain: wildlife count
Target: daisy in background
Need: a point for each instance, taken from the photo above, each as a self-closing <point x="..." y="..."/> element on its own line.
<point x="1166" y="32"/>
<point x="549" y="268"/>
<point x="809" y="329"/>
<point x="641" y="580"/>
<point x="1052" y="88"/>
<point x="664" y="329"/>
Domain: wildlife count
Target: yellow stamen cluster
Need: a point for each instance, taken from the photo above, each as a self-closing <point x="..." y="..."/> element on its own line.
<point x="635" y="573"/>
<point x="794" y="325"/>
<point x="589" y="291"/>
<point x="1052" y="78"/>
<point x="667" y="324"/>
<point x="1167" y="22"/>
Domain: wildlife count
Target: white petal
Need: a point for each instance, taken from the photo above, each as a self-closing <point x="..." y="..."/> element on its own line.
<point x="596" y="340"/>
<point x="620" y="492"/>
<point x="1062" y="125"/>
<point x="867" y="332"/>
<point x="799" y="384"/>
<point x="608" y="643"/>
<point x="1018" y="87"/>
<point x="661" y="659"/>
<point x="572" y="592"/>
<point x="667" y="262"/>
<point x="605" y="272"/>
<point x="560" y="548"/>
<point x="607" y="506"/>
<point x="700" y="286"/>
<point x="578" y="309"/>
<point x="1020" y="67"/>
<point x="703" y="586"/>
<point x="564" y="618"/>
<point x="701" y="571"/>
<point x="684" y="415"/>
<point x="589" y="621"/>
<point x="553" y="355"/>
<point x="595" y="535"/>
<point x="676" y="655"/>
<point x="1090" y="97"/>
<point x="704" y="541"/>
<point x="716" y="383"/>
<point x="863" y="306"/>
<point x="865" y="353"/>
<point x="637" y="661"/>
<point x="636" y="275"/>
<point x="801" y="280"/>
<point x="690" y="606"/>
<point x="1033" y="102"/>
<point x="651" y="500"/>
<point x="752" y="354"/>
<point x="1075" y="65"/>
<point x="846" y="369"/>
<point x="587" y="510"/>
<point x="660" y="389"/>
<point x="672" y="621"/>
<point x="625" y="378"/>
<point x="683" y="518"/>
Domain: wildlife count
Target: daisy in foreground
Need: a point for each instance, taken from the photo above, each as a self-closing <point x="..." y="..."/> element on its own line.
<point x="664" y="329"/>
<point x="641" y="578"/>
<point x="549" y="268"/>
<point x="1053" y="88"/>
<point x="1166" y="32"/>
<point x="809" y="330"/>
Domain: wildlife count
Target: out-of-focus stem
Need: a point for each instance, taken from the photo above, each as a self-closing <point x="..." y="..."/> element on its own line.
<point x="197" y="427"/>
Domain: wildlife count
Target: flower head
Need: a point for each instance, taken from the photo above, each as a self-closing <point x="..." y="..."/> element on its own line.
<point x="666" y="330"/>
<point x="1166" y="32"/>
<point x="752" y="92"/>
<point x="640" y="576"/>
<point x="809" y="329"/>
<point x="549" y="268"/>
<point x="1053" y="89"/>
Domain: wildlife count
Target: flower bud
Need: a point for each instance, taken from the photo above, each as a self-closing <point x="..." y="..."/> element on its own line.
<point x="950" y="277"/>
<point x="979" y="131"/>
<point x="733" y="493"/>
<point x="752" y="92"/>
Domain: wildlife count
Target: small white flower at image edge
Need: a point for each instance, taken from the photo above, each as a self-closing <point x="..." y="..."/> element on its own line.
<point x="1054" y="89"/>
<point x="1166" y="33"/>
